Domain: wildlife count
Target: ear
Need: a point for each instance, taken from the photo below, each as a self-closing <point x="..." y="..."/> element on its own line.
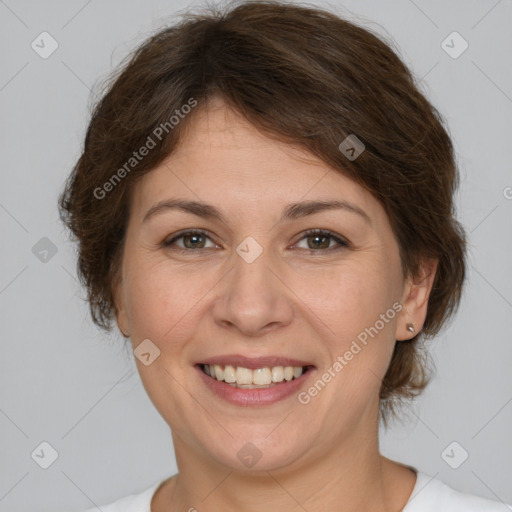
<point x="415" y="296"/>
<point x="120" y="307"/>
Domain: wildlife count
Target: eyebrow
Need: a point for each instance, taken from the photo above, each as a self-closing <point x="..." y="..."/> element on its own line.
<point x="291" y="211"/>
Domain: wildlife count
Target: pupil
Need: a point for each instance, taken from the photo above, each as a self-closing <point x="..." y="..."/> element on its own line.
<point x="193" y="237"/>
<point x="317" y="237"/>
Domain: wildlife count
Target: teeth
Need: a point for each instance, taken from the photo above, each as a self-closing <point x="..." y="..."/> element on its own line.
<point x="277" y="374"/>
<point x="230" y="374"/>
<point x="262" y="376"/>
<point x="245" y="377"/>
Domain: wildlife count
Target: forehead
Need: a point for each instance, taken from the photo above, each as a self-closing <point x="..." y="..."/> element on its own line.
<point x="223" y="159"/>
<point x="226" y="136"/>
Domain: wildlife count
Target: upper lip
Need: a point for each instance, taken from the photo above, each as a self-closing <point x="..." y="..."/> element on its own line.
<point x="254" y="362"/>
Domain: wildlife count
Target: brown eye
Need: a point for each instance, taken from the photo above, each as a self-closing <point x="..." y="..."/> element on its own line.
<point x="320" y="240"/>
<point x="194" y="239"/>
<point x="317" y="241"/>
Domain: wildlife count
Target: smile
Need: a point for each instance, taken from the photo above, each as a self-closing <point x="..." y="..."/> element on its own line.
<point x="246" y="378"/>
<point x="259" y="381"/>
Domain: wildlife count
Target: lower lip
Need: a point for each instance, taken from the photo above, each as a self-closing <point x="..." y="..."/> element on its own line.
<point x="255" y="396"/>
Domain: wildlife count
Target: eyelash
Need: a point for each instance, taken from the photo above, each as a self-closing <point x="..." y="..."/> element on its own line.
<point x="342" y="243"/>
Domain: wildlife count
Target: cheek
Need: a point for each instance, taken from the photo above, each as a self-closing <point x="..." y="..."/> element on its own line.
<point x="355" y="306"/>
<point x="166" y="301"/>
<point x="157" y="300"/>
<point x="347" y="298"/>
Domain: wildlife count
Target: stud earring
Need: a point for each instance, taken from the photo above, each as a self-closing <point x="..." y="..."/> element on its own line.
<point x="410" y="327"/>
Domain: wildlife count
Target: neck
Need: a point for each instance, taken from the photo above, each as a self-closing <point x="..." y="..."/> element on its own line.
<point x="353" y="476"/>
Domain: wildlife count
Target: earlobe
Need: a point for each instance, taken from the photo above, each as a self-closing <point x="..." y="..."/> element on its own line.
<point x="121" y="324"/>
<point x="120" y="311"/>
<point x="417" y="290"/>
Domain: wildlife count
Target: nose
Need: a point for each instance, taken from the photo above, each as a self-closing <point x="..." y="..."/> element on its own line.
<point x="254" y="297"/>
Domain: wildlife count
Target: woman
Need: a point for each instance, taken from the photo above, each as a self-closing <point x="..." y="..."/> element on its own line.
<point x="264" y="205"/>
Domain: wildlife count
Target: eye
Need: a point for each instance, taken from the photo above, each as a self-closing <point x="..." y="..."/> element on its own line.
<point x="191" y="239"/>
<point x="321" y="240"/>
<point x="195" y="239"/>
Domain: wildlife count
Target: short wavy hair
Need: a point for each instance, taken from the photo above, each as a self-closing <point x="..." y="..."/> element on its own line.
<point x="301" y="75"/>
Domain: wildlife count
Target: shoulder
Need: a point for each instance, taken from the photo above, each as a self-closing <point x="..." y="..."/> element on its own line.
<point x="429" y="494"/>
<point x="140" y="502"/>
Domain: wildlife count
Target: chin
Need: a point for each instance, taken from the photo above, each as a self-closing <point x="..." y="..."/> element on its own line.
<point x="255" y="449"/>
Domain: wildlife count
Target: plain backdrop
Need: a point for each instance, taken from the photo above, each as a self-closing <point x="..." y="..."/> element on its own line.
<point x="65" y="384"/>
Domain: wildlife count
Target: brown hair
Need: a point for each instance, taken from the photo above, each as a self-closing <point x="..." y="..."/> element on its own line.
<point x="301" y="75"/>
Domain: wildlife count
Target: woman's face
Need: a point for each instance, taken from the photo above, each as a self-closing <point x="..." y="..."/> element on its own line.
<point x="254" y="285"/>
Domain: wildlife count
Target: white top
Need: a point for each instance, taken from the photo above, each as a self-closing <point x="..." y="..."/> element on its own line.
<point x="429" y="495"/>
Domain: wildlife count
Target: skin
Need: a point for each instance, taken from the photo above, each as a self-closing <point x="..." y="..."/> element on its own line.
<point x="297" y="299"/>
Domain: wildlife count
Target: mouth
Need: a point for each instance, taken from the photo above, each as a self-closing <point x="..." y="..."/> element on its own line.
<point x="258" y="381"/>
<point x="256" y="378"/>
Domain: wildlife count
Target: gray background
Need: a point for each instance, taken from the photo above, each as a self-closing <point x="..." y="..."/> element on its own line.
<point x="64" y="382"/>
